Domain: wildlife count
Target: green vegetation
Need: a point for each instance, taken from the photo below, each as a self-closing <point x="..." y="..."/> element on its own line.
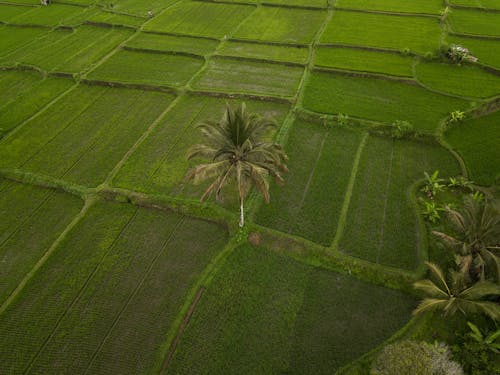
<point x="487" y="4"/>
<point x="418" y="34"/>
<point x="364" y="60"/>
<point x="292" y="54"/>
<point x="11" y="41"/>
<point x="281" y="25"/>
<point x="191" y="18"/>
<point x="161" y="42"/>
<point x="378" y="99"/>
<point x="416" y="6"/>
<point x="266" y="313"/>
<point x="55" y="15"/>
<point x="462" y="80"/>
<point x="148" y="68"/>
<point x="236" y="76"/>
<point x="487" y="51"/>
<point x="475" y="22"/>
<point x="476" y="140"/>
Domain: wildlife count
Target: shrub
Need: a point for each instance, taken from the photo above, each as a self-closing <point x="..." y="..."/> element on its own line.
<point x="411" y="357"/>
<point x="401" y="128"/>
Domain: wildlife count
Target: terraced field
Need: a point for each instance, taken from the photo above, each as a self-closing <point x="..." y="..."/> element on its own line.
<point x="110" y="264"/>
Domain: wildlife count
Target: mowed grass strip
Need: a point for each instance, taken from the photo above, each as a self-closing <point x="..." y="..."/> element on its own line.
<point x="266" y="313"/>
<point x="416" y="34"/>
<point x="148" y="68"/>
<point x="487" y="51"/>
<point x="477" y="141"/>
<point x="23" y="94"/>
<point x="162" y="42"/>
<point x="159" y="165"/>
<point x="81" y="139"/>
<point x="398" y="6"/>
<point x="364" y="60"/>
<point x="69" y="51"/>
<point x="281" y="25"/>
<point x="309" y="203"/>
<point x="379" y="99"/>
<point x="382" y="224"/>
<point x="249" y="77"/>
<point x="462" y="80"/>
<point x="279" y="53"/>
<point x="105" y="300"/>
<point x="31" y="219"/>
<point x="200" y="18"/>
<point x="474" y="22"/>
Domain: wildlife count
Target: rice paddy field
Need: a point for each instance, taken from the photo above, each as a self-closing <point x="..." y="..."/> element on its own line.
<point x="109" y="262"/>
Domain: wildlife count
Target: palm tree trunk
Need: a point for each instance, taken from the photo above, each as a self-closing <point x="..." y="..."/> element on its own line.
<point x="242" y="215"/>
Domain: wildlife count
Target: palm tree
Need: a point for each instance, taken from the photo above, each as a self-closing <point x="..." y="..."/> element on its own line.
<point x="477" y="238"/>
<point x="456" y="295"/>
<point x="237" y="148"/>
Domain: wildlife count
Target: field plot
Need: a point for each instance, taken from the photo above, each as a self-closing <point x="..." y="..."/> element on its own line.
<point x="68" y="51"/>
<point x="382" y="224"/>
<point x="364" y="60"/>
<point x="162" y="42"/>
<point x="30" y="220"/>
<point x="477" y="142"/>
<point x="320" y="165"/>
<point x="140" y="8"/>
<point x="474" y="22"/>
<point x="281" y="25"/>
<point x="239" y="76"/>
<point x="104" y="301"/>
<point x="267" y="314"/>
<point x="379" y="99"/>
<point x="159" y="165"/>
<point x="298" y="3"/>
<point x="293" y="54"/>
<point x="22" y="94"/>
<point x="12" y="38"/>
<point x="418" y="34"/>
<point x="116" y="19"/>
<point x="487" y="4"/>
<point x="465" y="80"/>
<point x="9" y="12"/>
<point x="80" y="139"/>
<point x="487" y="51"/>
<point x="192" y="17"/>
<point x="148" y="68"/>
<point x="398" y="6"/>
<point x="54" y="15"/>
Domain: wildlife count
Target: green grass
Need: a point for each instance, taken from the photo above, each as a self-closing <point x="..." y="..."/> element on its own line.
<point x="281" y="25"/>
<point x="398" y="6"/>
<point x="22" y="94"/>
<point x="162" y="42"/>
<point x="140" y="8"/>
<point x="418" y="34"/>
<point x="68" y="51"/>
<point x="237" y="76"/>
<point x="265" y="313"/>
<point x="462" y="80"/>
<point x="79" y="139"/>
<point x="10" y="12"/>
<point x="148" y="68"/>
<point x="487" y="51"/>
<point x="115" y="19"/>
<point x="30" y="220"/>
<point x="364" y="60"/>
<point x="309" y="203"/>
<point x="264" y="51"/>
<point x="106" y="298"/>
<point x="474" y="22"/>
<point x="378" y="99"/>
<point x="487" y="4"/>
<point x="477" y="140"/>
<point x="305" y="3"/>
<point x="53" y="15"/>
<point x="159" y="165"/>
<point x="12" y="38"/>
<point x="381" y="223"/>
<point x="200" y="18"/>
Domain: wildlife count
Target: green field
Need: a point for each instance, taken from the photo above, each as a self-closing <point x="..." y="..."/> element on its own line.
<point x="109" y="262"/>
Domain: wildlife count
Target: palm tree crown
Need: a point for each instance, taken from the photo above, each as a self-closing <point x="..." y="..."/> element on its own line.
<point x="238" y="151"/>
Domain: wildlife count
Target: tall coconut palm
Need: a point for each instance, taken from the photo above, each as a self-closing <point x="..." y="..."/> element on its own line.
<point x="476" y="238"/>
<point x="238" y="150"/>
<point x="455" y="295"/>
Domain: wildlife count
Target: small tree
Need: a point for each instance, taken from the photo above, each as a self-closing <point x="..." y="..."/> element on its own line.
<point x="238" y="151"/>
